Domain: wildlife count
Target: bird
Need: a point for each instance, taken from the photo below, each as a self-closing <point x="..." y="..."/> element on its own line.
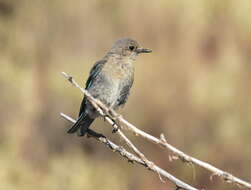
<point x="109" y="81"/>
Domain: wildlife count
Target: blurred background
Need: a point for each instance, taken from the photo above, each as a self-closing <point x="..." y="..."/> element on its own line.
<point x="194" y="87"/>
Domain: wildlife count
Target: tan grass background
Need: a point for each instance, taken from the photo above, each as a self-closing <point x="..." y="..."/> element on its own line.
<point x="194" y="87"/>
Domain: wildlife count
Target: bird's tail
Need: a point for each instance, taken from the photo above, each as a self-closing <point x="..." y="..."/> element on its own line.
<point x="82" y="124"/>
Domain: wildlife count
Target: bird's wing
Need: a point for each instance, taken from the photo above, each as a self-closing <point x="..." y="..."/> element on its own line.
<point x="124" y="93"/>
<point x="97" y="67"/>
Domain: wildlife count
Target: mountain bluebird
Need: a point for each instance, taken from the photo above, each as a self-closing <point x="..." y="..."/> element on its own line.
<point x="109" y="81"/>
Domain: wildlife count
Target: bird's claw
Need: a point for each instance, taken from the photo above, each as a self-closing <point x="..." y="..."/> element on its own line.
<point x="116" y="125"/>
<point x="115" y="130"/>
<point x="114" y="118"/>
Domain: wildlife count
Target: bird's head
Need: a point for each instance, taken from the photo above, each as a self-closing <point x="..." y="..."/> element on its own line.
<point x="127" y="47"/>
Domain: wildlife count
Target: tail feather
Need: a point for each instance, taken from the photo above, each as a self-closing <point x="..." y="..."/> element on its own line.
<point x="83" y="123"/>
<point x="76" y="125"/>
<point x="85" y="126"/>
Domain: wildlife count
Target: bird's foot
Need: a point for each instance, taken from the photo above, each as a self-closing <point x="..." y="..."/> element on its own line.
<point x="115" y="130"/>
<point x="116" y="124"/>
<point x="114" y="117"/>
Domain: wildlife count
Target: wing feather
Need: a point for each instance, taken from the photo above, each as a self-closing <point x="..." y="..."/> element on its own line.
<point x="97" y="67"/>
<point x="125" y="91"/>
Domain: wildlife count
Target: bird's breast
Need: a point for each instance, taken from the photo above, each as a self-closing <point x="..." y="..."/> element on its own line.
<point x="120" y="70"/>
<point x="108" y="85"/>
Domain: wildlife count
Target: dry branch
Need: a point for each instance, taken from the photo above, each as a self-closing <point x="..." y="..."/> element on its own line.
<point x="132" y="158"/>
<point x="118" y="121"/>
<point x="184" y="157"/>
<point x="111" y="121"/>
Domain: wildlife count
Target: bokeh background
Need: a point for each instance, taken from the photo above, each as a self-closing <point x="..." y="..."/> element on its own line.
<point x="194" y="87"/>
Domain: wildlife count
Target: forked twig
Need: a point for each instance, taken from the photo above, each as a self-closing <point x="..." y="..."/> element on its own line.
<point x="112" y="115"/>
<point x="134" y="159"/>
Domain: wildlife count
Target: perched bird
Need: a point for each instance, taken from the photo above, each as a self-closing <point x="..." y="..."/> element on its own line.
<point x="109" y="81"/>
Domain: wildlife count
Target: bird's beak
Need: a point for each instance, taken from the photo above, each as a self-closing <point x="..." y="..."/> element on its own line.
<point x="143" y="50"/>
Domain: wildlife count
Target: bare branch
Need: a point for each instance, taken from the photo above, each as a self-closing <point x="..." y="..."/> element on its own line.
<point x="96" y="104"/>
<point x="111" y="116"/>
<point x="134" y="159"/>
<point x="184" y="157"/>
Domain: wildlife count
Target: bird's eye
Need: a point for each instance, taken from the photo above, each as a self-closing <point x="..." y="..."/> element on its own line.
<point x="131" y="48"/>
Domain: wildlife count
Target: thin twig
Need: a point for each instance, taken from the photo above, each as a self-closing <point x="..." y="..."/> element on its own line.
<point x="134" y="159"/>
<point x="184" y="157"/>
<point x="111" y="121"/>
<point x="160" y="141"/>
<point x="97" y="104"/>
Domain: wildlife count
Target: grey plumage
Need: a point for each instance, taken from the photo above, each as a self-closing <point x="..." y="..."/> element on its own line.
<point x="109" y="81"/>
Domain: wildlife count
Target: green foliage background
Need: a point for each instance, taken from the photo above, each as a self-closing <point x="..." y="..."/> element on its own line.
<point x="194" y="87"/>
